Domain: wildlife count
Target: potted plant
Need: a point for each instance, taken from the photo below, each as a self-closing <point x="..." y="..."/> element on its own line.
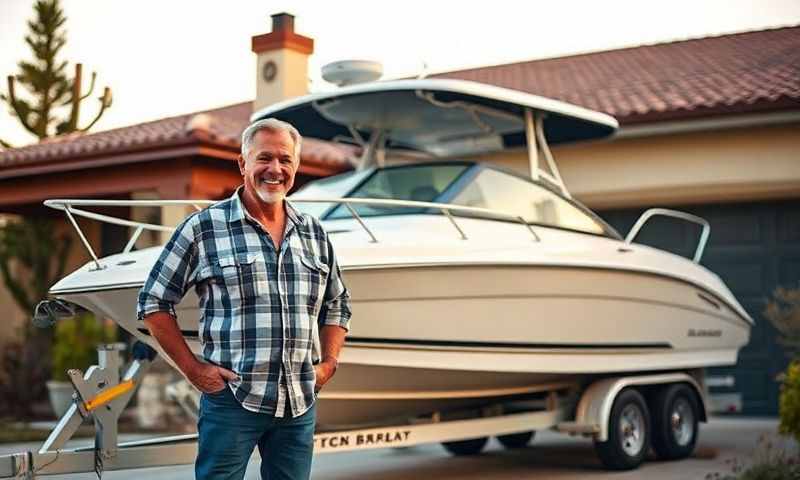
<point x="74" y="346"/>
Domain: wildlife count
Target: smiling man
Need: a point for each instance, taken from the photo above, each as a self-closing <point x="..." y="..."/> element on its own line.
<point x="274" y="313"/>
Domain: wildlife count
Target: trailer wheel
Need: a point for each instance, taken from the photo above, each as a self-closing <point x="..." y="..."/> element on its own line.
<point x="472" y="446"/>
<point x="515" y="440"/>
<point x="628" y="432"/>
<point x="675" y="422"/>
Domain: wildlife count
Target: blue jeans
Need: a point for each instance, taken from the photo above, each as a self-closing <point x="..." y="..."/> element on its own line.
<point x="228" y="434"/>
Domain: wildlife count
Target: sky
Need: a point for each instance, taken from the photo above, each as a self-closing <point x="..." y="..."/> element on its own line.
<point x="168" y="57"/>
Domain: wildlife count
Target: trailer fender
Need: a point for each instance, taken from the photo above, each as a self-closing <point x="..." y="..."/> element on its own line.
<point x="594" y="406"/>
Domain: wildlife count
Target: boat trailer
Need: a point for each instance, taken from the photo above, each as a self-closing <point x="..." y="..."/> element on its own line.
<point x="101" y="394"/>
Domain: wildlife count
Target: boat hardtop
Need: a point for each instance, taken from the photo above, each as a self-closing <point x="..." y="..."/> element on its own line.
<point x="437" y="116"/>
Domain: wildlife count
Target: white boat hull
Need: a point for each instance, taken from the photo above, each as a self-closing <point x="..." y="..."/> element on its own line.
<point x="414" y="329"/>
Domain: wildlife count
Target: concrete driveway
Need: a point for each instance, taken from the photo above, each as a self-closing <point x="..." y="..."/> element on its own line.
<point x="550" y="455"/>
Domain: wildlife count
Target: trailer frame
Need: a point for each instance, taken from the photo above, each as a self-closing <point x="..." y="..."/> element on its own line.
<point x="101" y="394"/>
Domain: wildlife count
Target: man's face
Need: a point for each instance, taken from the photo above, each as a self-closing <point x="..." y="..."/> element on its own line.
<point x="269" y="166"/>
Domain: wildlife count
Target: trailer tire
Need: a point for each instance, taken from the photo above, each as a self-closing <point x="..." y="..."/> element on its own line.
<point x="516" y="440"/>
<point x="473" y="446"/>
<point x="628" y="432"/>
<point x="675" y="422"/>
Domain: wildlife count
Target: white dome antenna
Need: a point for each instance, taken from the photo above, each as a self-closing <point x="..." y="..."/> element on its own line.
<point x="351" y="72"/>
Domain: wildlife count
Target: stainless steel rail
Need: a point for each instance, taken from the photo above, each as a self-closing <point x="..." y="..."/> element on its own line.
<point x="68" y="206"/>
<point x="701" y="245"/>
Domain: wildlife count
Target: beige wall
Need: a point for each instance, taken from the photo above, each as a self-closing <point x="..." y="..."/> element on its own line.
<point x="717" y="166"/>
<point x="167" y="215"/>
<point x="13" y="317"/>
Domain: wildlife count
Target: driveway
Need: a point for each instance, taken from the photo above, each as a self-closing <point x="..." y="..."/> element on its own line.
<point x="550" y="455"/>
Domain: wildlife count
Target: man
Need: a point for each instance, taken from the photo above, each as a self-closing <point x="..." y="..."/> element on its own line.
<point x="274" y="313"/>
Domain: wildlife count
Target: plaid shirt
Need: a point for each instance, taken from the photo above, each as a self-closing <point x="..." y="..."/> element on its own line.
<point x="260" y="309"/>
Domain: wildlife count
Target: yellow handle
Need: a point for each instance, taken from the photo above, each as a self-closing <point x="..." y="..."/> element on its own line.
<point x="108" y="394"/>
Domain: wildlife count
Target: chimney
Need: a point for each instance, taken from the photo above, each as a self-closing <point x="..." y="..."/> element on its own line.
<point x="282" y="65"/>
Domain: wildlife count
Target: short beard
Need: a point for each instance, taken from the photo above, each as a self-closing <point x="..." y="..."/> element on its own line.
<point x="270" y="197"/>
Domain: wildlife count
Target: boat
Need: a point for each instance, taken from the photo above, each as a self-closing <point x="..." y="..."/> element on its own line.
<point x="470" y="282"/>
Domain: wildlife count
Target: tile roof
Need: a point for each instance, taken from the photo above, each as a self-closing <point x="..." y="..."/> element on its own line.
<point x="744" y="72"/>
<point x="220" y="128"/>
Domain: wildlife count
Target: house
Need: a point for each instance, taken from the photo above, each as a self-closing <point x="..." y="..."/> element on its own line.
<point x="191" y="156"/>
<point x="710" y="125"/>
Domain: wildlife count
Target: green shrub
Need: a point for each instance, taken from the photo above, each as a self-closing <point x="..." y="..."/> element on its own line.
<point x="75" y="343"/>
<point x="783" y="311"/>
<point x="789" y="404"/>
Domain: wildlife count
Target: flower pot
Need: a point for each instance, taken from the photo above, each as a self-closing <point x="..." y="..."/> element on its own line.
<point x="60" y="396"/>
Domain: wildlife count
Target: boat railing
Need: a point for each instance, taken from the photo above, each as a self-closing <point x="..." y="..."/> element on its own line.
<point x="701" y="244"/>
<point x="71" y="207"/>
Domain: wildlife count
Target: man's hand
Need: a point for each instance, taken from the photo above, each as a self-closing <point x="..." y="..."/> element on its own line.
<point x="210" y="378"/>
<point x="206" y="377"/>
<point x="324" y="371"/>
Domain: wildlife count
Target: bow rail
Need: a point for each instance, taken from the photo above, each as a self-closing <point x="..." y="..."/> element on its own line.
<point x="68" y="207"/>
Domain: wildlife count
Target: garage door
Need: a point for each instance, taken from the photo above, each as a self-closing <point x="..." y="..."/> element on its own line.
<point x="754" y="248"/>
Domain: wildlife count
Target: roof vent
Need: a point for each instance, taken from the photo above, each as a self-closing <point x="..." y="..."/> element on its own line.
<point x="351" y="72"/>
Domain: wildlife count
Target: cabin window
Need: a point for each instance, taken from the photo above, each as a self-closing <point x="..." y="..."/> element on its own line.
<point x="332" y="187"/>
<point x="422" y="183"/>
<point x="500" y="191"/>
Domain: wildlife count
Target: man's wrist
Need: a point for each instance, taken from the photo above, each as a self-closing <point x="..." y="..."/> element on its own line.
<point x="190" y="367"/>
<point x="332" y="361"/>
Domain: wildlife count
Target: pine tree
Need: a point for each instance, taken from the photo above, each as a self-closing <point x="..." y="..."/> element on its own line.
<point x="46" y="81"/>
<point x="31" y="257"/>
<point x="26" y="243"/>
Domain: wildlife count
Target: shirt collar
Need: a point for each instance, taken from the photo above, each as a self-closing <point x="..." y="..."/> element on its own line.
<point x="239" y="212"/>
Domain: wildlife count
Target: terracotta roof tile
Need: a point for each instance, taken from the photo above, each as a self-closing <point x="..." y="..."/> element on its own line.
<point x="730" y="73"/>
<point x="221" y="127"/>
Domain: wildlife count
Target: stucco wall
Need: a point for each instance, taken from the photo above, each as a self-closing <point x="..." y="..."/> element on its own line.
<point x="717" y="166"/>
<point x="290" y="81"/>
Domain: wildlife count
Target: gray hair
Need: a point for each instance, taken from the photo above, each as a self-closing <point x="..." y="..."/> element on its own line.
<point x="271" y="125"/>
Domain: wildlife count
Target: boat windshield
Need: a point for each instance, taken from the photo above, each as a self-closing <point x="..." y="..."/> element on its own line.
<point x="498" y="190"/>
<point x="486" y="187"/>
<point x="423" y="183"/>
<point x="331" y="187"/>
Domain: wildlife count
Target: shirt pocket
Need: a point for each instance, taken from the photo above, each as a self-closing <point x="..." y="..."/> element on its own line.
<point x="252" y="276"/>
<point x="236" y="278"/>
<point x="312" y="278"/>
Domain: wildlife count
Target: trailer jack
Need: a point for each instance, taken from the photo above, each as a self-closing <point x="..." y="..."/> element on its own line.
<point x="100" y="395"/>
